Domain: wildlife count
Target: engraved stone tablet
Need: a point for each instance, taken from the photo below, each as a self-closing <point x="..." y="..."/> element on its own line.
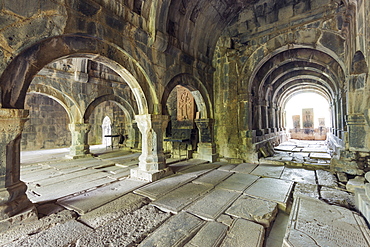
<point x="315" y="223"/>
<point x="244" y="233"/>
<point x="211" y="234"/>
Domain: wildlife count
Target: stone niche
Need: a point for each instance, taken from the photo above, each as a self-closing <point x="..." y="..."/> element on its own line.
<point x="181" y="133"/>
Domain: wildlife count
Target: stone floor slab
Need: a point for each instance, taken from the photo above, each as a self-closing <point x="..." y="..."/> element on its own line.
<point x="179" y="198"/>
<point x="161" y="187"/>
<point x="244" y="168"/>
<point x="285" y="148"/>
<point x="226" y="166"/>
<point x="253" y="209"/>
<point x="244" y="233"/>
<point x="90" y="200"/>
<point x="174" y="232"/>
<point x="299" y="175"/>
<point x="199" y="170"/>
<point x="213" y="177"/>
<point x="271" y="171"/>
<point x="213" y="204"/>
<point x="271" y="189"/>
<point x="113" y="210"/>
<point x="308" y="190"/>
<point x="210" y="235"/>
<point x="182" y="165"/>
<point x="337" y="197"/>
<point x="323" y="156"/>
<point x="39" y="175"/>
<point x="326" y="178"/>
<point x="315" y="223"/>
<point x="237" y="182"/>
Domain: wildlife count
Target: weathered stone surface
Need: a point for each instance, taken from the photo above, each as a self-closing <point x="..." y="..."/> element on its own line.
<point x="210" y="206"/>
<point x="70" y="230"/>
<point x="244" y="168"/>
<point x="271" y="189"/>
<point x="199" y="170"/>
<point x="326" y="178"/>
<point x="324" y="156"/>
<point x="161" y="187"/>
<point x="213" y="178"/>
<point x="285" y="148"/>
<point x="225" y="219"/>
<point x="113" y="210"/>
<point x="357" y="182"/>
<point x="179" y="198"/>
<point x="88" y="201"/>
<point x="314" y="223"/>
<point x="211" y="234"/>
<point x="299" y="175"/>
<point x="238" y="182"/>
<point x="244" y="233"/>
<point x="183" y="165"/>
<point x="257" y="210"/>
<point x="175" y="231"/>
<point x="271" y="171"/>
<point x="337" y="197"/>
<point x="226" y="166"/>
<point x="309" y="190"/>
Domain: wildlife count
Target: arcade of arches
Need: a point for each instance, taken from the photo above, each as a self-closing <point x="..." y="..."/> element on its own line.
<point x="204" y="79"/>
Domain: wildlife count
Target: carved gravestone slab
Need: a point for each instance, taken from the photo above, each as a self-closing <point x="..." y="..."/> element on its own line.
<point x="296" y="121"/>
<point x="211" y="234"/>
<point x="244" y="233"/>
<point x="315" y="223"/>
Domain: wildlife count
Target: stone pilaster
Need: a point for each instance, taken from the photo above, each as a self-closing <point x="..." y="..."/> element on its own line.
<point x="206" y="147"/>
<point x="13" y="199"/>
<point x="152" y="163"/>
<point x="79" y="147"/>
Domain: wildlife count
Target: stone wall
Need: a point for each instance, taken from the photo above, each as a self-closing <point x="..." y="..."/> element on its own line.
<point x="47" y="126"/>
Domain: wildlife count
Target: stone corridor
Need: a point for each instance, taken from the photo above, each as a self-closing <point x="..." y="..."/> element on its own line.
<point x="94" y="202"/>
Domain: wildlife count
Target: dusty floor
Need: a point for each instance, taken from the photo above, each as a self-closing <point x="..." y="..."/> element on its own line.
<point x="91" y="202"/>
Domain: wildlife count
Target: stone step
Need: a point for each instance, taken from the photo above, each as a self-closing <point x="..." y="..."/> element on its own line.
<point x="174" y="232"/>
<point x="163" y="186"/>
<point x="179" y="198"/>
<point x="211" y="205"/>
<point x="244" y="233"/>
<point x="272" y="189"/>
<point x="237" y="182"/>
<point x="90" y="200"/>
<point x="315" y="223"/>
<point x="210" y="235"/>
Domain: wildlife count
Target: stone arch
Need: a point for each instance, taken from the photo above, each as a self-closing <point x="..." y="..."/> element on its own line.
<point x="18" y="75"/>
<point x="70" y="106"/>
<point x="197" y="89"/>
<point x="359" y="64"/>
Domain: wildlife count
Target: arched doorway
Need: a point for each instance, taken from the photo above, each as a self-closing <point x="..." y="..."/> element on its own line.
<point x="106" y="131"/>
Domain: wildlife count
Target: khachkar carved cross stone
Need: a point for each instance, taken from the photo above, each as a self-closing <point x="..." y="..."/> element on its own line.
<point x="185" y="104"/>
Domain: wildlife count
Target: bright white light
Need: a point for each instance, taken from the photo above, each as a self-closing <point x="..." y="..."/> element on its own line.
<point x="307" y="100"/>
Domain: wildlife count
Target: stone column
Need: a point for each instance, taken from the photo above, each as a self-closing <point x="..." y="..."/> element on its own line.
<point x="206" y="146"/>
<point x="152" y="163"/>
<point x="13" y="199"/>
<point x="80" y="146"/>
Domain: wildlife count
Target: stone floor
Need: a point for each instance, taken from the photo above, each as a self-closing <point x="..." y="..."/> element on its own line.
<point x="93" y="202"/>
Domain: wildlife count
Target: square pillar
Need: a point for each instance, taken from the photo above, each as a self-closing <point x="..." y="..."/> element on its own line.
<point x="13" y="198"/>
<point x="206" y="147"/>
<point x="152" y="163"/>
<point x="80" y="147"/>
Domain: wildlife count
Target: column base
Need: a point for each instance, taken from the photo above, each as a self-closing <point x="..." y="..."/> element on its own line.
<point x="207" y="151"/>
<point x="150" y="176"/>
<point x="27" y="215"/>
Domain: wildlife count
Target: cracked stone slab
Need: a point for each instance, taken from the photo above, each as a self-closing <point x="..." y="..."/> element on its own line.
<point x="272" y="189"/>
<point x="113" y="210"/>
<point x="326" y="178"/>
<point x="299" y="175"/>
<point x="179" y="198"/>
<point x="337" y="197"/>
<point x="244" y="233"/>
<point x="213" y="204"/>
<point x="163" y="186"/>
<point x="58" y="235"/>
<point x="308" y="190"/>
<point x="90" y="200"/>
<point x="271" y="171"/>
<point x="213" y="177"/>
<point x="244" y="168"/>
<point x="315" y="223"/>
<point x="210" y="235"/>
<point x="253" y="209"/>
<point x="174" y="232"/>
<point x="237" y="182"/>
